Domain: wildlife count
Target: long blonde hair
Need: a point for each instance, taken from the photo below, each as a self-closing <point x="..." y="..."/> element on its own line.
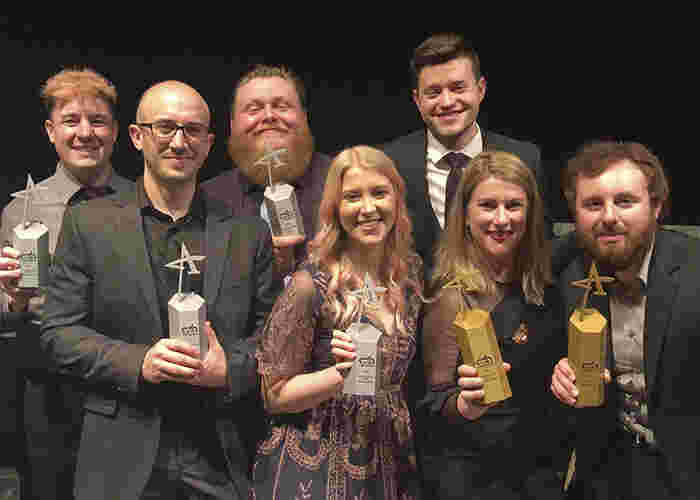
<point x="458" y="259"/>
<point x="327" y="248"/>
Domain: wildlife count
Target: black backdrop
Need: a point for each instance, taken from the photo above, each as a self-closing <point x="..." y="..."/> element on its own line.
<point x="556" y="87"/>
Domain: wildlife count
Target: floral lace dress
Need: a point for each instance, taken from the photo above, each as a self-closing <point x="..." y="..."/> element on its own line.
<point x="348" y="447"/>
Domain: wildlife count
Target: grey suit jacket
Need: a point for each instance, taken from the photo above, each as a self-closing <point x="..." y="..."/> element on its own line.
<point x="102" y="315"/>
<point x="671" y="349"/>
<point x="409" y="154"/>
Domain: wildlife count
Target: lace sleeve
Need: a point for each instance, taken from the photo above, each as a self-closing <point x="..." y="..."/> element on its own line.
<point x="286" y="344"/>
<point x="441" y="354"/>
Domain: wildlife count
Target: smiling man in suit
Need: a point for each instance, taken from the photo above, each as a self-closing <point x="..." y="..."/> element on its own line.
<point x="159" y="421"/>
<point x="448" y="89"/>
<point x="643" y="443"/>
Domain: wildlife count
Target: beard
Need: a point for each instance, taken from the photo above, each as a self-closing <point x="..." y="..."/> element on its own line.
<point x="618" y="257"/>
<point x="245" y="152"/>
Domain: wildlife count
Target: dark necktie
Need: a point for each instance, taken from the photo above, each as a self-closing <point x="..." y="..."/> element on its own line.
<point x="457" y="163"/>
<point x="89" y="192"/>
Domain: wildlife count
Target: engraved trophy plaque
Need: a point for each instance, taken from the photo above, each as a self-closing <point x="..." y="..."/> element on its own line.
<point x="479" y="347"/>
<point x="364" y="379"/>
<point x="187" y="312"/>
<point x="588" y="341"/>
<point x="31" y="239"/>
<point x="280" y="200"/>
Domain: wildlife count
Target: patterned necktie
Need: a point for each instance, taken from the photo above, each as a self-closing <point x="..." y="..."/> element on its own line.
<point x="457" y="163"/>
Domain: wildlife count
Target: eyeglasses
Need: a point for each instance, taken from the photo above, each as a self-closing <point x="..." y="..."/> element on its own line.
<point x="166" y="130"/>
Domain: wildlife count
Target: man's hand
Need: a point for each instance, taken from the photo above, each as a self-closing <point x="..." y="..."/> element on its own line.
<point x="171" y="360"/>
<point x="564" y="382"/>
<point x="214" y="366"/>
<point x="283" y="250"/>
<point x="10" y="274"/>
<point x="469" y="399"/>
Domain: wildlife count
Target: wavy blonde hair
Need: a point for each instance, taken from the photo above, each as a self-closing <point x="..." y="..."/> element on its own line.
<point x="459" y="259"/>
<point x="327" y="248"/>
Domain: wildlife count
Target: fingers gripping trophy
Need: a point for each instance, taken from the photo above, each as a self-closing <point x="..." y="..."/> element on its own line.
<point x="280" y="206"/>
<point x="187" y="312"/>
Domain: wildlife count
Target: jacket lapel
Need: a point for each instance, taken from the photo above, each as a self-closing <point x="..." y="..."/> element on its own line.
<point x="216" y="244"/>
<point x="133" y="244"/>
<point x="661" y="294"/>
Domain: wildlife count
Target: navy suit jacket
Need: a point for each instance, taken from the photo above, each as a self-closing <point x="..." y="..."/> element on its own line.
<point x="102" y="315"/>
<point x="408" y="152"/>
<point x="671" y="349"/>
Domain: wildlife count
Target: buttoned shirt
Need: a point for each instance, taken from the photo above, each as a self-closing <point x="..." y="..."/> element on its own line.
<point x="437" y="169"/>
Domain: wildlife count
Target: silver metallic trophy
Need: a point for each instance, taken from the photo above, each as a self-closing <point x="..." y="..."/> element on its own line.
<point x="187" y="312"/>
<point x="364" y="376"/>
<point x="31" y="239"/>
<point x="280" y="201"/>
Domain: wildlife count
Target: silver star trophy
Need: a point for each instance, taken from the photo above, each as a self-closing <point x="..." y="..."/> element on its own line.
<point x="280" y="201"/>
<point x="31" y="239"/>
<point x="187" y="312"/>
<point x="364" y="376"/>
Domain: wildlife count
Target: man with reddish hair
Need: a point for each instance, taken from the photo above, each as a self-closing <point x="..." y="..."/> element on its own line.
<point x="643" y="443"/>
<point x="81" y="124"/>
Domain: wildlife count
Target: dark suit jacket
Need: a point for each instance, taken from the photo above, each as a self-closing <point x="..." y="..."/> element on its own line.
<point x="102" y="315"/>
<point x="409" y="154"/>
<point x="671" y="347"/>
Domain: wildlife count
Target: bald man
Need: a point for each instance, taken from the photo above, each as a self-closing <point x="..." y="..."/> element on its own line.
<point x="159" y="421"/>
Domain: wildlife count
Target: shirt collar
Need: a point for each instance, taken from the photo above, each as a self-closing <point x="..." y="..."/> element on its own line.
<point x="197" y="207"/>
<point x="644" y="270"/>
<point x="70" y="185"/>
<point x="436" y="150"/>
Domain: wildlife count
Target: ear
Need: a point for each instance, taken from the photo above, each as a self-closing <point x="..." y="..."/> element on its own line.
<point x="136" y="134"/>
<point x="481" y="86"/>
<point x="415" y="98"/>
<point x="657" y="209"/>
<point x="49" y="127"/>
<point x="115" y="132"/>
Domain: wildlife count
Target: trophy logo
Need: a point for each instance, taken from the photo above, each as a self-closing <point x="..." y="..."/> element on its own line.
<point x="280" y="206"/>
<point x="587" y="341"/>
<point x="363" y="378"/>
<point x="31" y="239"/>
<point x="485" y="361"/>
<point x="187" y="312"/>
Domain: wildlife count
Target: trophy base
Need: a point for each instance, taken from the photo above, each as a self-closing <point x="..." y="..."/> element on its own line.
<point x="32" y="242"/>
<point x="187" y="313"/>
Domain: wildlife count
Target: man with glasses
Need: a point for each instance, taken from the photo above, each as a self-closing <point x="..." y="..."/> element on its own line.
<point x="161" y="421"/>
<point x="81" y="124"/>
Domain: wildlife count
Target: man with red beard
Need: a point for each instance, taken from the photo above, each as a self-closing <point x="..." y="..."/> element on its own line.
<point x="269" y="110"/>
<point x="643" y="442"/>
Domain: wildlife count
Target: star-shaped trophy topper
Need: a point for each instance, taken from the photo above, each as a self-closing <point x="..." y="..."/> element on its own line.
<point x="369" y="293"/>
<point x="587" y="284"/>
<point x="28" y="195"/>
<point x="272" y="159"/>
<point x="185" y="258"/>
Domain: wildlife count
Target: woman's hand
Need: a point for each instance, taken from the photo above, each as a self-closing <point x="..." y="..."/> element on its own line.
<point x="343" y="350"/>
<point x="469" y="399"/>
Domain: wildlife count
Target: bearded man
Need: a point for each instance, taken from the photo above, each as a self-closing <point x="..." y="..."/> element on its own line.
<point x="643" y="442"/>
<point x="269" y="112"/>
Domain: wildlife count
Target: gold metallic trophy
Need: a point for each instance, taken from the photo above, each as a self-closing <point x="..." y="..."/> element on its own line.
<point x="280" y="200"/>
<point x="187" y="312"/>
<point x="363" y="378"/>
<point x="31" y="239"/>
<point x="588" y="341"/>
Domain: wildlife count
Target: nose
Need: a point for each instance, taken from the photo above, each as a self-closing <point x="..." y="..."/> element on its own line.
<point x="269" y="113"/>
<point x="609" y="214"/>
<point x="501" y="218"/>
<point x="178" y="140"/>
<point x="367" y="205"/>
<point x="84" y="129"/>
<point x="446" y="98"/>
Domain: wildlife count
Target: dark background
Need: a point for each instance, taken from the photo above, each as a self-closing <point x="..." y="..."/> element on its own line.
<point x="557" y="87"/>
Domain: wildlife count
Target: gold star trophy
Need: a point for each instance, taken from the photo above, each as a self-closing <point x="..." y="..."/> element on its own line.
<point x="280" y="200"/>
<point x="587" y="342"/>
<point x="31" y="239"/>
<point x="478" y="344"/>
<point x="187" y="312"/>
<point x="363" y="378"/>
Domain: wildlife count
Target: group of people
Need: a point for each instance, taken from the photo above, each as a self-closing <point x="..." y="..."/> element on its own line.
<point x="446" y="219"/>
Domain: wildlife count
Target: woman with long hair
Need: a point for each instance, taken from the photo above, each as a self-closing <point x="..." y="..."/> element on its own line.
<point x="322" y="442"/>
<point x="492" y="256"/>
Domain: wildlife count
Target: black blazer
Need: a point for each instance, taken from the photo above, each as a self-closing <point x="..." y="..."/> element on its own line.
<point x="102" y="315"/>
<point x="409" y="154"/>
<point x="671" y="348"/>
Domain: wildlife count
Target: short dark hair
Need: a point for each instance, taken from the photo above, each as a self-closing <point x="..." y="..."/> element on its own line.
<point x="439" y="49"/>
<point x="266" y="71"/>
<point x="594" y="158"/>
